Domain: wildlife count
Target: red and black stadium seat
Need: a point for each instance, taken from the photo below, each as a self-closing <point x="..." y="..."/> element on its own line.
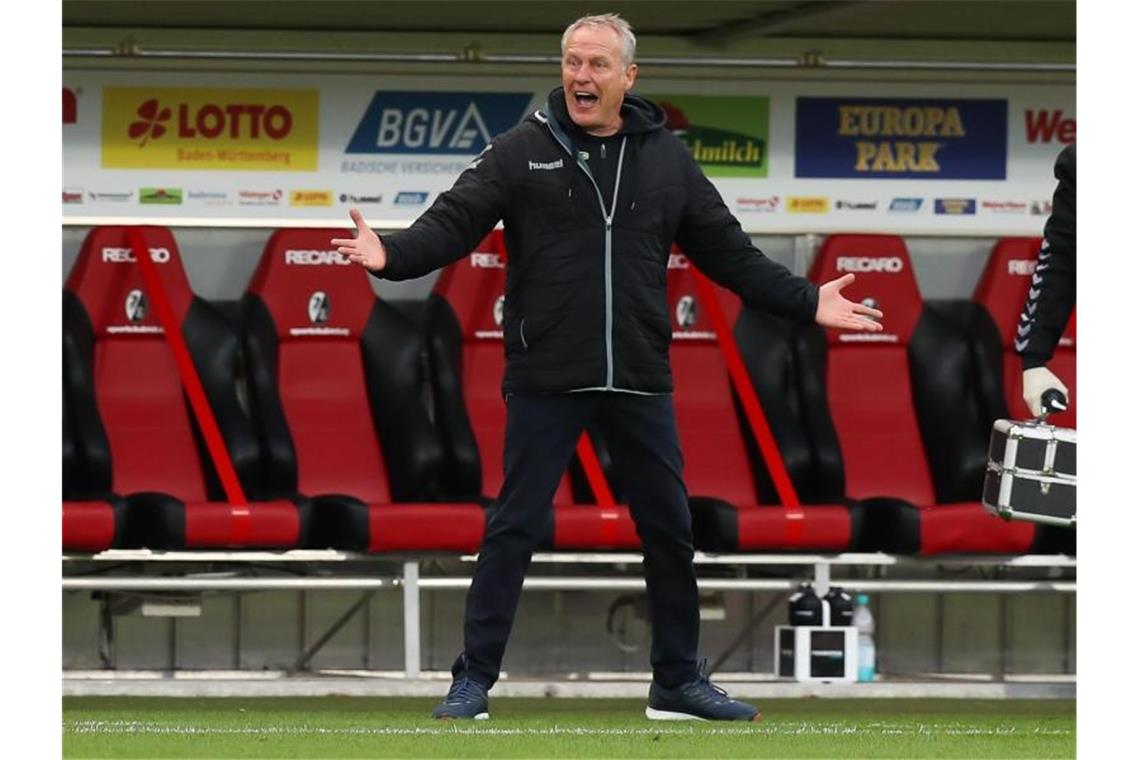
<point x="897" y="408"/>
<point x="335" y="388"/>
<point x="1000" y="298"/>
<point x="93" y="517"/>
<point x="463" y="325"/>
<point x="134" y="431"/>
<point x="731" y="494"/>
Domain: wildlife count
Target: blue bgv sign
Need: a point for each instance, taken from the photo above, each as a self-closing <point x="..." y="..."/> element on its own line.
<point x="442" y="123"/>
<point x="901" y="138"/>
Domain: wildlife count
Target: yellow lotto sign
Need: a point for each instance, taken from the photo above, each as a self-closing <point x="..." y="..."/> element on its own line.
<point x="210" y="128"/>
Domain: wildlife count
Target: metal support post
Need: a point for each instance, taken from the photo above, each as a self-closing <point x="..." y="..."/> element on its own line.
<point x="822" y="579"/>
<point x="412" y="619"/>
<point x="106" y="633"/>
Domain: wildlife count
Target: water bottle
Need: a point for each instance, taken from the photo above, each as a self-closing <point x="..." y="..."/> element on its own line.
<point x="865" y="624"/>
<point x="842" y="606"/>
<point x="804" y="607"/>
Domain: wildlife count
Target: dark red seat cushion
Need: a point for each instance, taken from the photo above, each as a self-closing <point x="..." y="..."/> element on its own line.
<point x="91" y="526"/>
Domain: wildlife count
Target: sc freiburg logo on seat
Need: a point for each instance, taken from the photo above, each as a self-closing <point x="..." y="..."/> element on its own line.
<point x="319" y="308"/>
<point x="686" y="312"/>
<point x="136" y="305"/>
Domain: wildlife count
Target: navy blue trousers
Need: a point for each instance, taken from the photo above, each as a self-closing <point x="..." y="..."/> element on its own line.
<point x="542" y="431"/>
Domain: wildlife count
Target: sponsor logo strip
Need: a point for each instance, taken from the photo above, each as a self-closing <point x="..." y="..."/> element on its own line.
<point x="798" y="204"/>
<point x="906" y="204"/>
<point x="955" y="206"/>
<point x="310" y="198"/>
<point x="768" y="205"/>
<point x="161" y="195"/>
<point x="410" y="198"/>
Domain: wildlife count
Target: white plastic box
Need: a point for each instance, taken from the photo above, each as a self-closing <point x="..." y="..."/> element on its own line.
<point x="817" y="653"/>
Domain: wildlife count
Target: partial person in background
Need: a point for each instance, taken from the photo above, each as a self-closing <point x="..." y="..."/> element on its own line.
<point x="1053" y="293"/>
<point x="592" y="191"/>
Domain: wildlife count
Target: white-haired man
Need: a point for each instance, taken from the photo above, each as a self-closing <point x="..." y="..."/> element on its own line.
<point x="592" y="192"/>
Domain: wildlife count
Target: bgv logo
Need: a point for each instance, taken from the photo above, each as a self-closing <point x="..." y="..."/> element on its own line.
<point x="435" y="122"/>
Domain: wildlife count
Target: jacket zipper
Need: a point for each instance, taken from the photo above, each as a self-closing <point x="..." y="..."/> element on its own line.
<point x="609" y="219"/>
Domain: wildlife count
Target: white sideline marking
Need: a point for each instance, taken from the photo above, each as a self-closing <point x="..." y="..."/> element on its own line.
<point x="787" y="729"/>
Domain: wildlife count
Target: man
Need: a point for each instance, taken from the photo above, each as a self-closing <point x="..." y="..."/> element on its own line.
<point x="592" y="191"/>
<point x="1054" y="291"/>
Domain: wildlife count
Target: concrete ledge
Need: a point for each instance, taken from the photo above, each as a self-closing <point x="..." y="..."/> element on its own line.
<point x="280" y="684"/>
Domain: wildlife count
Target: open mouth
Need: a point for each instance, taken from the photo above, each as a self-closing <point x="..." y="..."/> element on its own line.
<point x="585" y="99"/>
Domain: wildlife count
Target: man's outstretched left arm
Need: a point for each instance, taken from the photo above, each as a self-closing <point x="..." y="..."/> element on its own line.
<point x="713" y="240"/>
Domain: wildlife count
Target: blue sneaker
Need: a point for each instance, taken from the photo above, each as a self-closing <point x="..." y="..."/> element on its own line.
<point x="465" y="699"/>
<point x="696" y="700"/>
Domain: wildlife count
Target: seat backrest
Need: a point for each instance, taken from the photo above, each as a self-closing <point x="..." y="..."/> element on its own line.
<point x="717" y="460"/>
<point x="333" y="375"/>
<point x="868" y="376"/>
<point x="129" y="413"/>
<point x="1001" y="293"/>
<point x="465" y="336"/>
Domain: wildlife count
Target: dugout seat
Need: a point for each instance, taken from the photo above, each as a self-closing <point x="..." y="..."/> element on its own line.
<point x="134" y="431"/>
<point x="896" y="408"/>
<point x="463" y="328"/>
<point x="732" y="498"/>
<point x="334" y="376"/>
<point x="990" y="323"/>
<point x="93" y="517"/>
<point x="999" y="299"/>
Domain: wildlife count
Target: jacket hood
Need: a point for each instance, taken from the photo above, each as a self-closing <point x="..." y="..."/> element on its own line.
<point x="637" y="113"/>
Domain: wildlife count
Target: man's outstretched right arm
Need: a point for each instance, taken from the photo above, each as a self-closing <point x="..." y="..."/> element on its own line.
<point x="449" y="230"/>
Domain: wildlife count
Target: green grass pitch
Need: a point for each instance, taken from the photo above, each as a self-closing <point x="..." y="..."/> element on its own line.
<point x="341" y="727"/>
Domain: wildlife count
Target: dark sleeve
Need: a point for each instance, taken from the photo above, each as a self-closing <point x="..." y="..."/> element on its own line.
<point x="455" y="223"/>
<point x="713" y="240"/>
<point x="1053" y="292"/>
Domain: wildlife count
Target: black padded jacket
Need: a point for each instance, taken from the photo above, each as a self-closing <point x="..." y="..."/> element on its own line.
<point x="1053" y="292"/>
<point x="586" y="305"/>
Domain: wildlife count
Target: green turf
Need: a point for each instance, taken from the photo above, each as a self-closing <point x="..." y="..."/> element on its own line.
<point x="335" y="727"/>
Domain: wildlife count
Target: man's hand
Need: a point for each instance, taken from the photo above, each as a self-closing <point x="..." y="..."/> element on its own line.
<point x="836" y="311"/>
<point x="1036" y="381"/>
<point x="364" y="249"/>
